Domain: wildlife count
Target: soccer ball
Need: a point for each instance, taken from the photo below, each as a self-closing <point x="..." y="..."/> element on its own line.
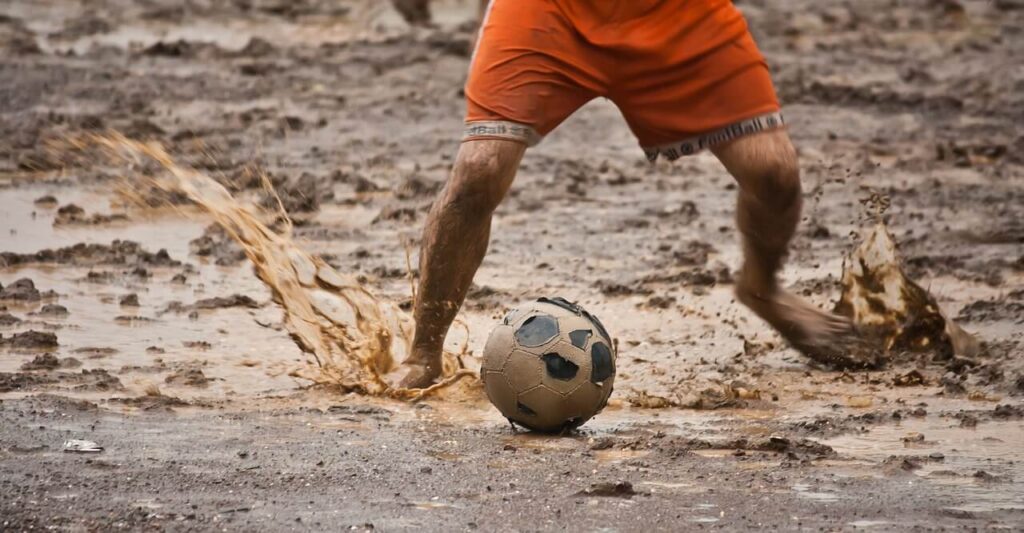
<point x="549" y="365"/>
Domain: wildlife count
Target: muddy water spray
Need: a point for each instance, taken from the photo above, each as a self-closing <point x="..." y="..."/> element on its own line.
<point x="352" y="335"/>
<point x="896" y="313"/>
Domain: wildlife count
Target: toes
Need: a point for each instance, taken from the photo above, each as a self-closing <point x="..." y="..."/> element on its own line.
<point x="842" y="351"/>
<point x="840" y="326"/>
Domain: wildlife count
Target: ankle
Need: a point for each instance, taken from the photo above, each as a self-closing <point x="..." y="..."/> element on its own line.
<point x="425" y="354"/>
<point x="755" y="285"/>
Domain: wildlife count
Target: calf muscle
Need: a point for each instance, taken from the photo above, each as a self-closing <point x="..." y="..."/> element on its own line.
<point x="455" y="240"/>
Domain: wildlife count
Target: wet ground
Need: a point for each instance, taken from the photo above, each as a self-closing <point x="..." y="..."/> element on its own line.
<point x="144" y="330"/>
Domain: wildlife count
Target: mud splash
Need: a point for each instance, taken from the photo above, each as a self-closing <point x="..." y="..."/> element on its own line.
<point x="354" y="337"/>
<point x="892" y="310"/>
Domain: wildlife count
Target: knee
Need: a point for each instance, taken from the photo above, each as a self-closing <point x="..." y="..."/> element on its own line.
<point x="775" y="181"/>
<point x="476" y="186"/>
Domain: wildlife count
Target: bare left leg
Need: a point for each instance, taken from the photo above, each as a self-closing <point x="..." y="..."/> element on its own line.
<point x="768" y="210"/>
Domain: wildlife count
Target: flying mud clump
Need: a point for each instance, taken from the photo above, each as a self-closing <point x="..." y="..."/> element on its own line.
<point x="352" y="335"/>
<point x="892" y="311"/>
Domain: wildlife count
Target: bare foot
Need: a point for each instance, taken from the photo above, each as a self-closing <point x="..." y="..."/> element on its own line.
<point x="421" y="371"/>
<point x="824" y="337"/>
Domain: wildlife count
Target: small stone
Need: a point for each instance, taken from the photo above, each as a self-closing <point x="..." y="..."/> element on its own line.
<point x="969" y="421"/>
<point x="46" y="361"/>
<point x="53" y="310"/>
<point x="30" y="339"/>
<point x="913" y="437"/>
<point x="23" y="289"/>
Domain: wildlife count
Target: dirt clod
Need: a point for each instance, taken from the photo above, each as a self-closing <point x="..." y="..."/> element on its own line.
<point x="53" y="311"/>
<point x="188" y="378"/>
<point x="23" y="289"/>
<point x="48" y="361"/>
<point x="31" y="339"/>
<point x="117" y="252"/>
<point x="620" y="489"/>
<point x="220" y="302"/>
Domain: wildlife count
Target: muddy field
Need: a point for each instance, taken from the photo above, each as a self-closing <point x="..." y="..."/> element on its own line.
<point x="129" y="320"/>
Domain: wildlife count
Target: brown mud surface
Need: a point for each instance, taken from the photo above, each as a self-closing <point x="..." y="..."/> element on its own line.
<point x="128" y="320"/>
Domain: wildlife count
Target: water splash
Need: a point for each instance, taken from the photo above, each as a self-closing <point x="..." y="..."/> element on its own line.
<point x="352" y="335"/>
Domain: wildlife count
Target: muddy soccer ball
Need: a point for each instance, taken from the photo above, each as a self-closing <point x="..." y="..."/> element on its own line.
<point x="549" y="365"/>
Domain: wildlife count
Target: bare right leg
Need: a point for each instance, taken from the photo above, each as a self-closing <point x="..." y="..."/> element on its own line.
<point x="455" y="240"/>
<point x="768" y="210"/>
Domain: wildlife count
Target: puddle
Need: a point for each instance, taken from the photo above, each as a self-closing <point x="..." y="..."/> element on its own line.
<point x="537" y="441"/>
<point x="28" y="227"/>
<point x="666" y="484"/>
<point x="714" y="453"/>
<point x="242" y="356"/>
<point x="993" y="447"/>
<point x="804" y="491"/>
<point x="426" y="506"/>
<point x="866" y="524"/>
<point x="445" y="456"/>
<point x="706" y="519"/>
<point x="611" y="456"/>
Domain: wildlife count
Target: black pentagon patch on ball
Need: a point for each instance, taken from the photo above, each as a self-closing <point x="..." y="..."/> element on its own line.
<point x="597" y="323"/>
<point x="559" y="367"/>
<point x="563" y="303"/>
<point x="537" y="330"/>
<point x="579" y="337"/>
<point x="601" y="362"/>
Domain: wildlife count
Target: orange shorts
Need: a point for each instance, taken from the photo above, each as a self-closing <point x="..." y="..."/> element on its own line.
<point x="686" y="74"/>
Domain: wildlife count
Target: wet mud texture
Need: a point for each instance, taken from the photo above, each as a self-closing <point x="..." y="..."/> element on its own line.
<point x="286" y="468"/>
<point x="125" y="323"/>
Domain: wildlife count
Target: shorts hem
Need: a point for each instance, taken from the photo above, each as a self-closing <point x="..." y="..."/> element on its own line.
<point x="502" y="130"/>
<point x="697" y="143"/>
